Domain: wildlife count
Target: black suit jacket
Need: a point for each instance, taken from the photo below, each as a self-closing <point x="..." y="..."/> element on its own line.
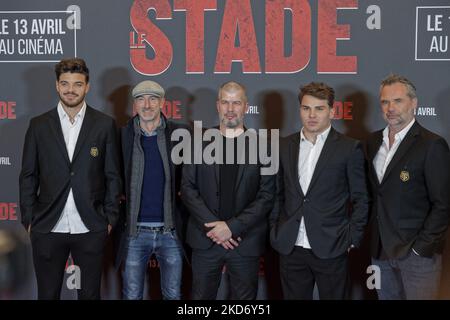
<point x="411" y="204"/>
<point x="48" y="175"/>
<point x="254" y="195"/>
<point x="335" y="207"/>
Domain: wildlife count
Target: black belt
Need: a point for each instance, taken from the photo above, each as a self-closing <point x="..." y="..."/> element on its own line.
<point x="155" y="229"/>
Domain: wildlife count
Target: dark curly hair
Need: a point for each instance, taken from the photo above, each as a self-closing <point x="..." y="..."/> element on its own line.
<point x="72" y="65"/>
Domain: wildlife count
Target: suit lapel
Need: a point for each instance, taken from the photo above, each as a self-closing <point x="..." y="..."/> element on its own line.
<point x="217" y="174"/>
<point x="294" y="148"/>
<point x="216" y="166"/>
<point x="128" y="141"/>
<point x="372" y="152"/>
<point x="405" y="145"/>
<point x="327" y="151"/>
<point x="88" y="123"/>
<point x="55" y="125"/>
<point x="243" y="159"/>
<point x="240" y="173"/>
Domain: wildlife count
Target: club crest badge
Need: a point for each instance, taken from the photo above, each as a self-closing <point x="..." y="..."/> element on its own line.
<point x="404" y="176"/>
<point x="94" y="152"/>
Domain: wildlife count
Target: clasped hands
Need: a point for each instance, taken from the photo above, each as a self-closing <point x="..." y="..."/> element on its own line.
<point x="221" y="234"/>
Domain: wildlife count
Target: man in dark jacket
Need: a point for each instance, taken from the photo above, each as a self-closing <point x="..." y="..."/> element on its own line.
<point x="70" y="185"/>
<point x="229" y="203"/>
<point x="154" y="224"/>
<point x="410" y="178"/>
<point x="322" y="201"/>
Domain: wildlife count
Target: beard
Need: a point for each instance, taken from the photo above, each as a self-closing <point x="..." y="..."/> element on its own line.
<point x="71" y="102"/>
<point x="231" y="124"/>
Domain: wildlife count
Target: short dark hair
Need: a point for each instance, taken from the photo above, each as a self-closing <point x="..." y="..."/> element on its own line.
<point x="395" y="78"/>
<point x="72" y="65"/>
<point x="318" y="90"/>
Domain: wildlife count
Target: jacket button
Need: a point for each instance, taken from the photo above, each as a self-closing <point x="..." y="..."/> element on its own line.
<point x="72" y="173"/>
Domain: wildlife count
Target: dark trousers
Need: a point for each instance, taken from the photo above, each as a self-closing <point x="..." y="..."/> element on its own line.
<point x="411" y="277"/>
<point x="301" y="269"/>
<point x="207" y="268"/>
<point x="50" y="254"/>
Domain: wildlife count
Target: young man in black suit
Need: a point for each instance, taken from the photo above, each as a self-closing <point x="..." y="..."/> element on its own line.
<point x="409" y="170"/>
<point x="322" y="203"/>
<point x="229" y="203"/>
<point x="70" y="185"/>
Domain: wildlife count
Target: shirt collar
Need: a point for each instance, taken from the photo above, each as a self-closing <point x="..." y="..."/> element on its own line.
<point x="399" y="135"/>
<point x="62" y="113"/>
<point x="161" y="126"/>
<point x="320" y="137"/>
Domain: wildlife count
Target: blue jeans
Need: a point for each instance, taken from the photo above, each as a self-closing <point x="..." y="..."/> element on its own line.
<point x="168" y="252"/>
<point x="412" y="277"/>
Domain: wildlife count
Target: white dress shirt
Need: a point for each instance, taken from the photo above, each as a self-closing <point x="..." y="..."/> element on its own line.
<point x="307" y="159"/>
<point x="385" y="154"/>
<point x="70" y="220"/>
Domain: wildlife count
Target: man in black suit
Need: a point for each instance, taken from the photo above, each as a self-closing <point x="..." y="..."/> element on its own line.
<point x="322" y="203"/>
<point x="229" y="203"/>
<point x="409" y="170"/>
<point x="70" y="185"/>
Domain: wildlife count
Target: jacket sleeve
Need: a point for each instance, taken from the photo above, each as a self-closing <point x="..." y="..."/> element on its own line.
<point x="191" y="197"/>
<point x="356" y="175"/>
<point x="437" y="176"/>
<point x="29" y="177"/>
<point x="112" y="175"/>
<point x="279" y="194"/>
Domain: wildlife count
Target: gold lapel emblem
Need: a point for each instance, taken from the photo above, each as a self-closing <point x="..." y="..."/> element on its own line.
<point x="94" y="152"/>
<point x="404" y="176"/>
